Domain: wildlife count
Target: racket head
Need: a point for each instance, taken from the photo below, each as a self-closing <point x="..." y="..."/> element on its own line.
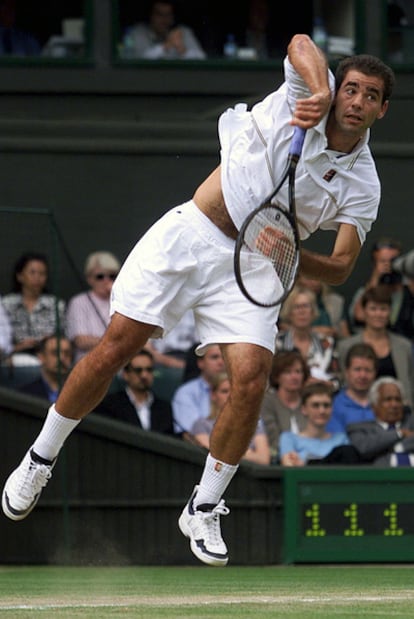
<point x="266" y="257"/>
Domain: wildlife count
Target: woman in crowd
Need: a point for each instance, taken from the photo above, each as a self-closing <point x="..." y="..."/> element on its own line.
<point x="282" y="403"/>
<point x="394" y="352"/>
<point x="33" y="313"/>
<point x="88" y="312"/>
<point x="331" y="319"/>
<point x="297" y="314"/>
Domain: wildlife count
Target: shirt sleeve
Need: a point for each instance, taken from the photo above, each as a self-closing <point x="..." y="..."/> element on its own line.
<point x="286" y="443"/>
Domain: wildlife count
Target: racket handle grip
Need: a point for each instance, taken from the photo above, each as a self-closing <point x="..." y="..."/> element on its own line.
<point x="296" y="144"/>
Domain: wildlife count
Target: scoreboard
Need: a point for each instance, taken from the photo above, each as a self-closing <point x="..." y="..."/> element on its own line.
<point x="348" y="514"/>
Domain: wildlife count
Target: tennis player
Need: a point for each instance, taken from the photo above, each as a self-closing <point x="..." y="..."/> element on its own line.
<point x="186" y="261"/>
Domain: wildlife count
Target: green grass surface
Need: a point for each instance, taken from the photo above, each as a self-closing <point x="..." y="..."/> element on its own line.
<point x="293" y="592"/>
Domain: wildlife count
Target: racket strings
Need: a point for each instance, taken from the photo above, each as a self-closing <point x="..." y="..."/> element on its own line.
<point x="270" y="234"/>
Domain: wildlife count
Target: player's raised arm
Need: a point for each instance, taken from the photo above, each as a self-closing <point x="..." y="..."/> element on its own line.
<point x="311" y="64"/>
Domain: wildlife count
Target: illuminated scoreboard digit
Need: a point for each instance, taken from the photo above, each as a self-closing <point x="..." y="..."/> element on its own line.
<point x="348" y="514"/>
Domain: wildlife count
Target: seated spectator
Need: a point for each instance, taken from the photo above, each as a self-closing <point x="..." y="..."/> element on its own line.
<point x="314" y="442"/>
<point x="258" y="450"/>
<point x="298" y="313"/>
<point x="136" y="403"/>
<point x="394" y="352"/>
<point x="383" y="252"/>
<point x="331" y="319"/>
<point x="13" y="40"/>
<point x="6" y="337"/>
<point x="351" y="403"/>
<point x="192" y="399"/>
<point x="33" y="313"/>
<point x="172" y="350"/>
<point x="161" y="37"/>
<point x="281" y="409"/>
<point x="88" y="312"/>
<point x="55" y="356"/>
<point x="389" y="439"/>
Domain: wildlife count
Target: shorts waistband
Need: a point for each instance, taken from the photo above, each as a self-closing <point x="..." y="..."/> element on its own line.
<point x="205" y="225"/>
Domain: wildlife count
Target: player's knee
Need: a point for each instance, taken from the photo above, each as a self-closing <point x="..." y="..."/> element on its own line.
<point x="249" y="389"/>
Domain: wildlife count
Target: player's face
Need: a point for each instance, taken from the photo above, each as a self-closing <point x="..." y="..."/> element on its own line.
<point x="358" y="102"/>
<point x="360" y="375"/>
<point x="390" y="406"/>
<point x="317" y="409"/>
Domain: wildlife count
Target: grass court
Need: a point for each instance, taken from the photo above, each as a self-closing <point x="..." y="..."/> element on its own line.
<point x="291" y="592"/>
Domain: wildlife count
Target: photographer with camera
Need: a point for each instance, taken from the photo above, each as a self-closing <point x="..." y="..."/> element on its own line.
<point x="384" y="251"/>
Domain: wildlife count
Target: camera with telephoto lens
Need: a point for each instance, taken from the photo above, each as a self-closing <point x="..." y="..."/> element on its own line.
<point x="404" y="264"/>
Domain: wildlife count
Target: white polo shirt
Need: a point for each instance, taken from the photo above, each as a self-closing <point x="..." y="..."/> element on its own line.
<point x="331" y="188"/>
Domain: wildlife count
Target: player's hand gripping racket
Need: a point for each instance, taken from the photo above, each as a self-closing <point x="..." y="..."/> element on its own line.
<point x="266" y="257"/>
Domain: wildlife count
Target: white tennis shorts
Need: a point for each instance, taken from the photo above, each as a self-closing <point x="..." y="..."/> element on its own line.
<point x="184" y="261"/>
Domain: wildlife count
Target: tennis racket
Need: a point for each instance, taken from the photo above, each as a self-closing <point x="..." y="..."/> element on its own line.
<point x="266" y="257"/>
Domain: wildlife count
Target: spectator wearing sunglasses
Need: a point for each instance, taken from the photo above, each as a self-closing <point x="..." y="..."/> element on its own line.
<point x="88" y="312"/>
<point x="136" y="403"/>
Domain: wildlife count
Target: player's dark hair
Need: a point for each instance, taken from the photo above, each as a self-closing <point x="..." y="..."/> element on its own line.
<point x="369" y="65"/>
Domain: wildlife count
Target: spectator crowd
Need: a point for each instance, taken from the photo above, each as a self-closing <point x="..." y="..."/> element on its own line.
<point x="341" y="387"/>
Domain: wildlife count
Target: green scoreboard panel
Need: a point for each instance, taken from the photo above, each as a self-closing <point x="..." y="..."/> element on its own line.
<point x="337" y="515"/>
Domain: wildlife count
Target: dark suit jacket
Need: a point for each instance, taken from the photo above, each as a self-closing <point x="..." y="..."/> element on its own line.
<point x="376" y="444"/>
<point x="118" y="406"/>
<point x="36" y="388"/>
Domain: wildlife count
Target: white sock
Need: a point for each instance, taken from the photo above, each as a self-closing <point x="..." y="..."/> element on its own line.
<point x="55" y="431"/>
<point x="215" y="478"/>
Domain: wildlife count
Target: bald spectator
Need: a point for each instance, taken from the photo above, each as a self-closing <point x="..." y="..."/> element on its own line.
<point x="388" y="440"/>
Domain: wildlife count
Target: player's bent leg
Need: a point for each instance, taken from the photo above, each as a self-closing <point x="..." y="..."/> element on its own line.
<point x="83" y="390"/>
<point x="248" y="367"/>
<point x="89" y="380"/>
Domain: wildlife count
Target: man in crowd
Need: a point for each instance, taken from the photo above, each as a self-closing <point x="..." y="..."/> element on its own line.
<point x="192" y="399"/>
<point x="137" y="404"/>
<point x="351" y="403"/>
<point x="388" y="440"/>
<point x="55" y="354"/>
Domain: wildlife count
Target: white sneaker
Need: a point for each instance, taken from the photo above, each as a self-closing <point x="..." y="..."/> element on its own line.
<point x="24" y="486"/>
<point x="202" y="526"/>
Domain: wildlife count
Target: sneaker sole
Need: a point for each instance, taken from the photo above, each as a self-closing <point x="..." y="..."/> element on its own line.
<point x="195" y="549"/>
<point x="6" y="508"/>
